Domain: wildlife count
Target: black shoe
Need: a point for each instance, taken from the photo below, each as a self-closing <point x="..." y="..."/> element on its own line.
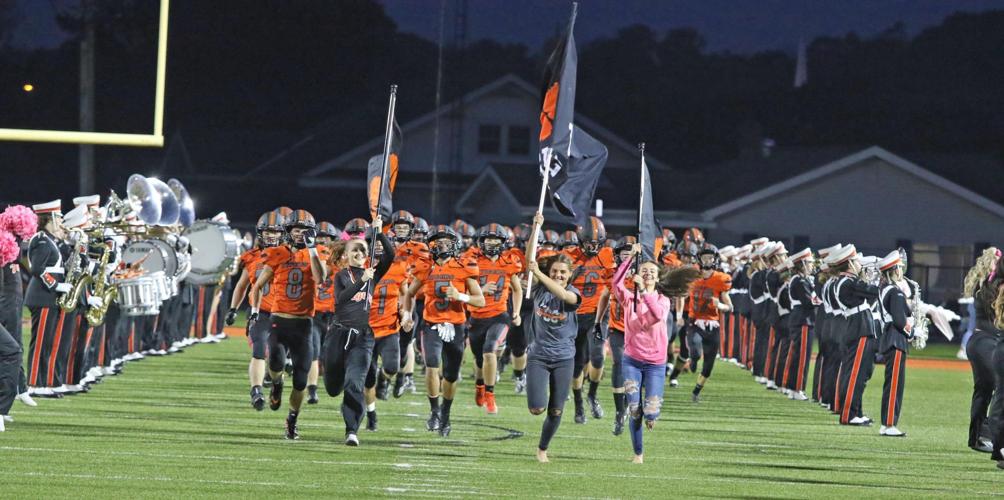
<point x="257" y="398"/>
<point x="618" y="424"/>
<point x="291" y="431"/>
<point x="381" y="388"/>
<point x="433" y="423"/>
<point x="696" y="398"/>
<point x="311" y="394"/>
<point x="594" y="406"/>
<point x="275" y="396"/>
<point x="399" y="385"/>
<point x="445" y="428"/>
<point x="371" y="421"/>
<point x="580" y="415"/>
<point x="268" y="380"/>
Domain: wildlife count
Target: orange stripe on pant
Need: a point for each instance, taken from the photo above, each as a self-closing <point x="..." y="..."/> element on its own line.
<point x="770" y="356"/>
<point x="55" y="350"/>
<point x="890" y="414"/>
<point x="39" y="340"/>
<point x="845" y="412"/>
<point x="199" y="327"/>
<point x="803" y="359"/>
<point x="71" y="363"/>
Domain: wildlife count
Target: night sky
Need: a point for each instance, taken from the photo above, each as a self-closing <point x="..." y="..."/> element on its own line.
<point x="734" y="25"/>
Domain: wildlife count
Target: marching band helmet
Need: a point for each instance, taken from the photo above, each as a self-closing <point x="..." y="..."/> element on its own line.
<point x="402" y="218"/>
<point x="444" y="251"/>
<point x="272" y="222"/>
<point x="490" y="232"/>
<point x="592" y="235"/>
<point x="569" y="239"/>
<point x="420" y="231"/>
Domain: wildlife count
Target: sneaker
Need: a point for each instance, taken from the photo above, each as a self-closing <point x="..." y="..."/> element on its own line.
<point x="445" y="428"/>
<point x="674" y="383"/>
<point x="292" y="432"/>
<point x="521" y="384"/>
<point x="962" y="355"/>
<point x="860" y="421"/>
<point x="8" y="419"/>
<point x="433" y="423"/>
<point x="371" y="421"/>
<point x="351" y="439"/>
<point x="399" y="385"/>
<point x="2" y="426"/>
<point x="257" y="399"/>
<point x="382" y="393"/>
<point x="490" y="403"/>
<point x="798" y="396"/>
<point x="594" y="407"/>
<point x="619" y="424"/>
<point x="984" y="446"/>
<point x="771" y="386"/>
<point x="479" y="395"/>
<point x="580" y="415"/>
<point x="891" y="432"/>
<point x="275" y="396"/>
<point x="25" y="398"/>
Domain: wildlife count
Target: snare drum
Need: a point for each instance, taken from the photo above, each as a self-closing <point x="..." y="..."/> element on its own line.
<point x="157" y="256"/>
<point x="214" y="250"/>
<point x="142" y="295"/>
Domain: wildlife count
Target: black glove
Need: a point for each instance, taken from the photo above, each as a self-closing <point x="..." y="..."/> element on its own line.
<point x="598" y="333"/>
<point x="231" y="316"/>
<point x="252" y="317"/>
<point x="310" y="238"/>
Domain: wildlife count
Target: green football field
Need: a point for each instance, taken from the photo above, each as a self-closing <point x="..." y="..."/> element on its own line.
<point x="181" y="427"/>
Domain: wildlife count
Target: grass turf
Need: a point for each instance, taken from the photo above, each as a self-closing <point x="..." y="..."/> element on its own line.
<point x="181" y="427"/>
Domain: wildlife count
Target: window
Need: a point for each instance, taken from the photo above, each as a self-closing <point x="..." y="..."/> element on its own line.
<point x="519" y="140"/>
<point x="489" y="139"/>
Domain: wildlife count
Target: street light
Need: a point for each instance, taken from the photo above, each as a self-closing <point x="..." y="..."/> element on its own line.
<point x="28" y="87"/>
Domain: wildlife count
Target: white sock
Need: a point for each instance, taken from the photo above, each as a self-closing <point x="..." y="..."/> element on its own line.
<point x="371" y="407"/>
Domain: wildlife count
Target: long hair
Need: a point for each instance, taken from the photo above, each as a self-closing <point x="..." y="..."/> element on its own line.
<point x="676" y="281"/>
<point x="337" y="252"/>
<point x="987" y="279"/>
<point x="980" y="271"/>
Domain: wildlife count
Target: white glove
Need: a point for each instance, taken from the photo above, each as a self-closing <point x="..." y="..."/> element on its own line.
<point x="446" y="331"/>
<point x="63" y="287"/>
<point x="95" y="301"/>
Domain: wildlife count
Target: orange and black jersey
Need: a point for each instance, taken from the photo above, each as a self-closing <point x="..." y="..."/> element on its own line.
<point x="435" y="281"/>
<point x="292" y="286"/>
<point x="703" y="292"/>
<point x="591" y="276"/>
<point x="671" y="259"/>
<point x="416" y="256"/>
<point x="324" y="299"/>
<point x="499" y="272"/>
<point x="617" y="309"/>
<point x="253" y="261"/>
<point x="384" y="319"/>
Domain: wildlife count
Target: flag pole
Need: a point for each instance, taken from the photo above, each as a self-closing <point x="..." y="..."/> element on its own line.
<point x="387" y="138"/>
<point x="536" y="228"/>
<point x="641" y="205"/>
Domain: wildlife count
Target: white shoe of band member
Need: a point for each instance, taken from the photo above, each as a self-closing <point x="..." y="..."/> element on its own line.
<point x="962" y="355"/>
<point x="9" y="419"/>
<point x="60" y="390"/>
<point x="25" y="398"/>
<point x="891" y="431"/>
<point x="2" y="427"/>
<point x="173" y="349"/>
<point x="761" y="380"/>
<point x="799" y="396"/>
<point x="771" y="385"/>
<point x="108" y="370"/>
<point x="210" y="339"/>
<point x="221" y="335"/>
<point x="87" y="380"/>
<point x="860" y="420"/>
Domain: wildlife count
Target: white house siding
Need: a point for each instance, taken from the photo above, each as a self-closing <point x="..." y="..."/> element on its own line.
<point x="873" y="205"/>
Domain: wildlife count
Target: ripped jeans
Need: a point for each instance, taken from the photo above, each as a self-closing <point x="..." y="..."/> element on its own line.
<point x="647" y="378"/>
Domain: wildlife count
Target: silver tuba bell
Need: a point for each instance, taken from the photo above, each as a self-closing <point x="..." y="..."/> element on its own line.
<point x="143" y="199"/>
<point x="186" y="207"/>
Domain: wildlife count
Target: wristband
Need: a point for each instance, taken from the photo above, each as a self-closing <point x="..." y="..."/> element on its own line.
<point x="312" y="251"/>
<point x="254" y="310"/>
<point x="463" y="297"/>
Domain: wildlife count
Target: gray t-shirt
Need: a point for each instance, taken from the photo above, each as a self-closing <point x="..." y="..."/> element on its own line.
<point x="554" y="325"/>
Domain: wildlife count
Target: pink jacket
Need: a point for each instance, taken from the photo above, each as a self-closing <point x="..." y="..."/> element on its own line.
<point x="645" y="332"/>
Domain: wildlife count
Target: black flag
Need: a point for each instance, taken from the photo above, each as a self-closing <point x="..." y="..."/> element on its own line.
<point x="375" y="171"/>
<point x="557" y="107"/>
<point x="648" y="230"/>
<point x="573" y="185"/>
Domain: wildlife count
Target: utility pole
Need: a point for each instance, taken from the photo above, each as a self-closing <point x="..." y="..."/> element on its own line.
<point x="87" y="49"/>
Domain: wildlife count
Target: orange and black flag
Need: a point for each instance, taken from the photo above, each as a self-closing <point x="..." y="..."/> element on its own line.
<point x="374" y="180"/>
<point x="557" y="108"/>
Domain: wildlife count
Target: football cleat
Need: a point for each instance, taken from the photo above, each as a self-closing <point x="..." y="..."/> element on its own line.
<point x="257" y="398"/>
<point x="479" y="395"/>
<point x="275" y="395"/>
<point x="371" y="421"/>
<point x="433" y="423"/>
<point x="490" y="403"/>
<point x="292" y="432"/>
<point x="594" y="407"/>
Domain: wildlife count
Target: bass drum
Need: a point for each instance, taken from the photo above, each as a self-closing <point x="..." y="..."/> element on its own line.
<point x="156" y="256"/>
<point x="215" y="248"/>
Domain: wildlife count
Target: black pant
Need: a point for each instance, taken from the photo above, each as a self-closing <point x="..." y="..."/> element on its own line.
<point x="346" y="362"/>
<point x="980" y="351"/>
<point x="617" y="352"/>
<point x="859" y="361"/>
<point x="46" y="334"/>
<point x="11" y="313"/>
<point x="997" y="410"/>
<point x="762" y="333"/>
<point x="10" y="367"/>
<point x="780" y="354"/>
<point x="583" y="343"/>
<point x="547" y="385"/>
<point x="450" y="354"/>
<point x="833" y="364"/>
<point x="892" y="389"/>
<point x="517" y="340"/>
<point x="799" y="355"/>
<point x="387" y="349"/>
<point x="710" y="342"/>
<point x="485" y="335"/>
<point x="293" y="334"/>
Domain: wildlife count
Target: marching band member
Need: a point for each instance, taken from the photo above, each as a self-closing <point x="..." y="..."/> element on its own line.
<point x="773" y="280"/>
<point x="499" y="276"/>
<point x="739" y="294"/>
<point x="449" y="286"/>
<point x="897" y="319"/>
<point x="852" y="297"/>
<point x="803" y="302"/>
<point x="349" y="346"/>
<point x="760" y="296"/>
<point x="783" y="336"/>
<point x="292" y="271"/>
<point x="45" y="263"/>
<point x="594" y="266"/>
<point x="826" y="359"/>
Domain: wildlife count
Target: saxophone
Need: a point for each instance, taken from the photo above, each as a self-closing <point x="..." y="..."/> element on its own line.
<point x="75" y="275"/>
<point x="920" y="320"/>
<point x="103" y="289"/>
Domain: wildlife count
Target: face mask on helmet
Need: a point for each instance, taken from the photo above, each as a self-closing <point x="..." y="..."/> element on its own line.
<point x="295" y="236"/>
<point x="708" y="261"/>
<point x="491" y="246"/>
<point x="402" y="232"/>
<point x="591" y="247"/>
<point x="443" y="248"/>
<point x="271" y="238"/>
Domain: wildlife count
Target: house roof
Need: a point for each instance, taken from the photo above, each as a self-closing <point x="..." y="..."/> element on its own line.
<point x="325" y="148"/>
<point x="803" y="173"/>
